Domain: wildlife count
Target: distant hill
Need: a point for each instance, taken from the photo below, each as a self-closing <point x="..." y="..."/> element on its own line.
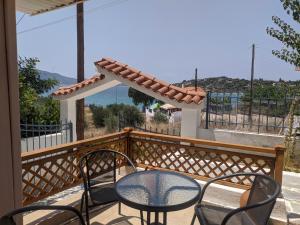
<point x="228" y="84"/>
<point x="63" y="80"/>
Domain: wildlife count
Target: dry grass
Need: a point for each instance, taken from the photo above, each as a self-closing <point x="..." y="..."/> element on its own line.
<point x="90" y="129"/>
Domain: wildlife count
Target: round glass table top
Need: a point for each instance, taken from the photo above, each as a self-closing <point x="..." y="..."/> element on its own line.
<point x="158" y="190"/>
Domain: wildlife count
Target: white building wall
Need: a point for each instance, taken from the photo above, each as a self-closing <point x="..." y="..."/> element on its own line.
<point x="68" y="113"/>
<point x="34" y="143"/>
<point x="190" y="122"/>
<point x="238" y="137"/>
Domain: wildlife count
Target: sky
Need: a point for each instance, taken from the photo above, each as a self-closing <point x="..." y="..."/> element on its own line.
<point x="168" y="38"/>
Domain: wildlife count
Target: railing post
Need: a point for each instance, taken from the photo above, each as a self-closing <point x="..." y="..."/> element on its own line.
<point x="128" y="151"/>
<point x="279" y="163"/>
<point x="71" y="131"/>
<point x="207" y="110"/>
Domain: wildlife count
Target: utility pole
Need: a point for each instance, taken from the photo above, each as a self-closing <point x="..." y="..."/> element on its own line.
<point x="251" y="85"/>
<point x="80" y="70"/>
<point x="196" y="79"/>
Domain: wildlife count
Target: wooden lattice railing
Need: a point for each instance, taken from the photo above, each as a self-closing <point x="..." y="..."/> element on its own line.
<point x="48" y="171"/>
<point x="204" y="159"/>
<point x="52" y="170"/>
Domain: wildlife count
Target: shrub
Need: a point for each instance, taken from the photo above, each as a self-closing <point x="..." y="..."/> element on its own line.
<point x="159" y="117"/>
<point x="99" y="114"/>
<point x="109" y="116"/>
<point x="131" y="116"/>
<point x="111" y="122"/>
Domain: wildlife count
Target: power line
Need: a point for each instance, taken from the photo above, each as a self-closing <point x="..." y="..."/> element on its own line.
<point x="104" y="6"/>
<point x="20" y="19"/>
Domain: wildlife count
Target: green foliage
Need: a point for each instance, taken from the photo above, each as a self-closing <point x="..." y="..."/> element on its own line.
<point x="108" y="117"/>
<point x="34" y="107"/>
<point x="220" y="100"/>
<point x="233" y="85"/>
<point x="99" y="114"/>
<point x="111" y="122"/>
<point x="273" y="92"/>
<point x="29" y="77"/>
<point x="159" y="117"/>
<point x="289" y="37"/>
<point x="131" y="116"/>
<point x="140" y="98"/>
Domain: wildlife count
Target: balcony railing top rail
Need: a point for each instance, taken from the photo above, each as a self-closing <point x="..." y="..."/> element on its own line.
<point x="52" y="170"/>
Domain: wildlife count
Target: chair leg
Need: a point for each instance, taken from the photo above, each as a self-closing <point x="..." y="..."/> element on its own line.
<point x="81" y="203"/>
<point x="193" y="220"/>
<point x="87" y="215"/>
<point x="119" y="208"/>
<point x="142" y="217"/>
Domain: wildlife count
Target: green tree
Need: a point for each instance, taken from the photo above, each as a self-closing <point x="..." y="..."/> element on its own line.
<point x="109" y="117"/>
<point x="286" y="34"/>
<point x="99" y="115"/>
<point x="159" y="117"/>
<point x="140" y="98"/>
<point x="34" y="107"/>
<point x="291" y="54"/>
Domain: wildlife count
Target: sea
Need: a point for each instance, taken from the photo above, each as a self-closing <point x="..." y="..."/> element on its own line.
<point x="118" y="94"/>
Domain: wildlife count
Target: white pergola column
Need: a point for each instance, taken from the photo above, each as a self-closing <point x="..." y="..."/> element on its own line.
<point x="190" y="122"/>
<point x="10" y="151"/>
<point x="68" y="113"/>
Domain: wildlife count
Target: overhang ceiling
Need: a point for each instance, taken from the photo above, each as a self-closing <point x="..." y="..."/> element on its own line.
<point x="34" y="7"/>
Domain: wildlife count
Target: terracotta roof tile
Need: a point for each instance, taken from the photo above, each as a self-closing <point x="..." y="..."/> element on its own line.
<point x="186" y="95"/>
<point x="179" y="96"/>
<point x="163" y="90"/>
<point x="171" y="93"/>
<point x="132" y="76"/>
<point x="125" y="72"/>
<point x="187" y="98"/>
<point x="70" y="89"/>
<point x="155" y="86"/>
<point x="147" y="83"/>
<point x="140" y="79"/>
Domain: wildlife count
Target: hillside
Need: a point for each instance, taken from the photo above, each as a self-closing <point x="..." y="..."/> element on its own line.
<point x="228" y="84"/>
<point x="63" y="80"/>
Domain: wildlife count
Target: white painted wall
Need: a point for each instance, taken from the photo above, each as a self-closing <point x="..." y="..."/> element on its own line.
<point x="190" y="122"/>
<point x="68" y="113"/>
<point x="238" y="137"/>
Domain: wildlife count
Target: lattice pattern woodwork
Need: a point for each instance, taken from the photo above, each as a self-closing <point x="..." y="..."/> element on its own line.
<point x="202" y="162"/>
<point x="50" y="173"/>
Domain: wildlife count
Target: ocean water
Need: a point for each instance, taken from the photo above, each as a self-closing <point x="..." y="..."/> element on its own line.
<point x="118" y="94"/>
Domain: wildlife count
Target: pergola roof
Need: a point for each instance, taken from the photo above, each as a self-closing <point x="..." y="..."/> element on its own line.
<point x="34" y="7"/>
<point x="113" y="71"/>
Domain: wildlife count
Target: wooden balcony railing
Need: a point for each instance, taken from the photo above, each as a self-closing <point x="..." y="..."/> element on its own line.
<point x="52" y="170"/>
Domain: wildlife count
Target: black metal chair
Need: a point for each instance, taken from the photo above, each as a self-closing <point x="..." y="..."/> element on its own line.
<point x="262" y="197"/>
<point x="8" y="219"/>
<point x="98" y="170"/>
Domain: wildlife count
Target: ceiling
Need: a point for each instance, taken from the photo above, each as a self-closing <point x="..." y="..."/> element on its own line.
<point x="34" y="7"/>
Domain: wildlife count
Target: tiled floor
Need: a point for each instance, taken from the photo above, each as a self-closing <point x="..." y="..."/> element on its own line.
<point x="130" y="216"/>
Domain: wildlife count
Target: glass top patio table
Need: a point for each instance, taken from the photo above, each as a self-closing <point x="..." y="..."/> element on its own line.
<point x="158" y="191"/>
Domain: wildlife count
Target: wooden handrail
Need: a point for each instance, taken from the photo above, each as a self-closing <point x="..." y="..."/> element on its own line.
<point x="143" y="148"/>
<point x="68" y="146"/>
<point x="207" y="142"/>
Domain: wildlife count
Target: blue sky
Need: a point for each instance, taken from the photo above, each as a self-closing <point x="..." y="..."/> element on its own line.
<point x="166" y="38"/>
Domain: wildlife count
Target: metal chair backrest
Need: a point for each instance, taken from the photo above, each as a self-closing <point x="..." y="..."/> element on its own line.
<point x="101" y="166"/>
<point x="263" y="194"/>
<point x="8" y="219"/>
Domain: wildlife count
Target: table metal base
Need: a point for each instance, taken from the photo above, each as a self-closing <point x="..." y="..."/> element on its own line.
<point x="156" y="221"/>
